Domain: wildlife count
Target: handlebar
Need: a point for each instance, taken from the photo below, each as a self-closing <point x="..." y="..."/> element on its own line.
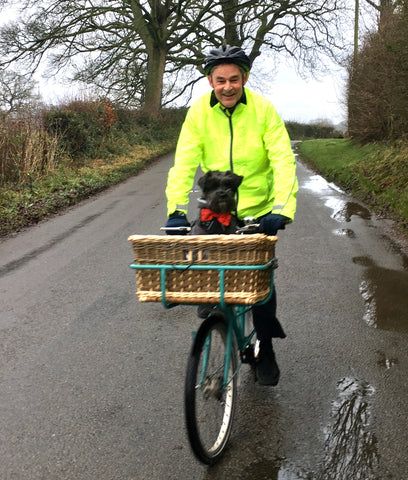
<point x="182" y="230"/>
<point x="249" y="227"/>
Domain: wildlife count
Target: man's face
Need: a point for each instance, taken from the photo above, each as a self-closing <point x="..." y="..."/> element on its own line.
<point x="228" y="82"/>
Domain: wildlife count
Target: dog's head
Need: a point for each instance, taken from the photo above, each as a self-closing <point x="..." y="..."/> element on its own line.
<point x="219" y="190"/>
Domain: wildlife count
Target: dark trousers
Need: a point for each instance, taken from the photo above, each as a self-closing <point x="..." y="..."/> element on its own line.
<point x="266" y="324"/>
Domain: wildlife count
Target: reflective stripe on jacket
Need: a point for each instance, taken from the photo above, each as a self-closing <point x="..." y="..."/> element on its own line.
<point x="252" y="142"/>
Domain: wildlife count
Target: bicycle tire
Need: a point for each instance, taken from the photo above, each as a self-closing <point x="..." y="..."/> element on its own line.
<point x="209" y="409"/>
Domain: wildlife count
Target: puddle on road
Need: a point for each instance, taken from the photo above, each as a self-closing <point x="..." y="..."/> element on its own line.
<point x="342" y="210"/>
<point x="384" y="292"/>
<point x="349" y="209"/>
<point x="351" y="448"/>
<point x="319" y="185"/>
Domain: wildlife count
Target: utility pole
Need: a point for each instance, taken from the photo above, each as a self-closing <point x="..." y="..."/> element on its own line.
<point x="356" y="9"/>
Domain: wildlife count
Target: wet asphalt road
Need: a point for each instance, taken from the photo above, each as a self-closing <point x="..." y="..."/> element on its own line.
<point x="91" y="381"/>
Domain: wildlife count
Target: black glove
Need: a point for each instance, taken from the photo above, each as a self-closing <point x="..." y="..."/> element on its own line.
<point x="177" y="219"/>
<point x="272" y="222"/>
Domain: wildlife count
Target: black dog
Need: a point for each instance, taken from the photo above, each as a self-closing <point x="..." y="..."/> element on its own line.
<point x="220" y="191"/>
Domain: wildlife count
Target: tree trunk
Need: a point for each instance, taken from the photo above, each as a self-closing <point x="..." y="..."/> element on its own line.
<point x="229" y="9"/>
<point x="154" y="81"/>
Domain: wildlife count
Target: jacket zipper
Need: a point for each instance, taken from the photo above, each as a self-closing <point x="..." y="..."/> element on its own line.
<point x="231" y="142"/>
<point x="231" y="160"/>
<point x="229" y="116"/>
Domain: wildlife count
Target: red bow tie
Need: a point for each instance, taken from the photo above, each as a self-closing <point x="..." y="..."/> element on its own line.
<point x="223" y="218"/>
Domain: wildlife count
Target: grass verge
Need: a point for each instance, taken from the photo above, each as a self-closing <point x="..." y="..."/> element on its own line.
<point x="375" y="173"/>
<point x="37" y="198"/>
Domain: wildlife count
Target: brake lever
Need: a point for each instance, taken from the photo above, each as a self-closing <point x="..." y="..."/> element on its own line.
<point x="250" y="228"/>
<point x="176" y="229"/>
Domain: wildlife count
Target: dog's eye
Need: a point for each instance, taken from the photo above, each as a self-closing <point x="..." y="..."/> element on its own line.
<point x="211" y="185"/>
<point x="228" y="186"/>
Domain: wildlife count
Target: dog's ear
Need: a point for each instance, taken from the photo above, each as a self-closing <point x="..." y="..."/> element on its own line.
<point x="235" y="179"/>
<point x="202" y="180"/>
<point x="238" y="180"/>
<point x="205" y="180"/>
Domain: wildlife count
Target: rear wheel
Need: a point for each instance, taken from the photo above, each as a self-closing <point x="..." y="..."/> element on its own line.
<point x="209" y="407"/>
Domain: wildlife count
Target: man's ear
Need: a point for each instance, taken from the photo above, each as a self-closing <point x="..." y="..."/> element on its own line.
<point x="245" y="79"/>
<point x="210" y="81"/>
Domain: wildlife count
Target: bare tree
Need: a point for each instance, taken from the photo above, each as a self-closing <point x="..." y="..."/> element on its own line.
<point x="16" y="91"/>
<point x="133" y="48"/>
<point x="384" y="8"/>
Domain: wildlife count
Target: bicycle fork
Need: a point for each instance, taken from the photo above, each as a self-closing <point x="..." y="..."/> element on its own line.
<point x="228" y="349"/>
<point x="224" y="371"/>
<point x="225" y="368"/>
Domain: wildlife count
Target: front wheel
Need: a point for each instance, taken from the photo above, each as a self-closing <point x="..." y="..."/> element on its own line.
<point x="209" y="406"/>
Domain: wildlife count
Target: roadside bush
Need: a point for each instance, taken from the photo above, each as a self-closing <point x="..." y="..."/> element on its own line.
<point x="140" y="129"/>
<point x="26" y="150"/>
<point x="78" y="133"/>
<point x="303" y="131"/>
<point x="98" y="128"/>
<point x="378" y="83"/>
<point x="81" y="126"/>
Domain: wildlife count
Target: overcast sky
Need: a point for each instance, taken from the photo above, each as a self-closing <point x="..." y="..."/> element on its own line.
<point x="308" y="100"/>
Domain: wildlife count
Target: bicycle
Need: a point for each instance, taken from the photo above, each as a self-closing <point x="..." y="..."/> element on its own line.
<point x="210" y="391"/>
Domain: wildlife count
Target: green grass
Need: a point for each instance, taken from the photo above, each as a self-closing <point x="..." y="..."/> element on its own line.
<point x="375" y="173"/>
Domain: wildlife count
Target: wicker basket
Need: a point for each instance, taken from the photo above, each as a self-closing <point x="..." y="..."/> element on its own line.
<point x="203" y="286"/>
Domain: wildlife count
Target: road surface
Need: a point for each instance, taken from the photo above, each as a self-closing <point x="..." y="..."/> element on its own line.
<point x="91" y="380"/>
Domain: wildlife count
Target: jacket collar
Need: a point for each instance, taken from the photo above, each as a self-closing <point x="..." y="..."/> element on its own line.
<point x="214" y="101"/>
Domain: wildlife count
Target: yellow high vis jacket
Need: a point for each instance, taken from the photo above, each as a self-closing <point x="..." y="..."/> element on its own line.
<point x="252" y="142"/>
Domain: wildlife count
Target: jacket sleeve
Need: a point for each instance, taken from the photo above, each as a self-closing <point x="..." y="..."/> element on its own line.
<point x="282" y="161"/>
<point x="188" y="156"/>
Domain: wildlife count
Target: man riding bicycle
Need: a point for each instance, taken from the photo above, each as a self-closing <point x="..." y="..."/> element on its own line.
<point x="233" y="128"/>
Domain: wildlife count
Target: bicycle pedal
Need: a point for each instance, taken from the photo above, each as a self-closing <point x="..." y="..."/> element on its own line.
<point x="248" y="355"/>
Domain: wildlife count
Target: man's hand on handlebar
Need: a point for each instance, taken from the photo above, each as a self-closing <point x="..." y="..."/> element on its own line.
<point x="177" y="224"/>
<point x="272" y="222"/>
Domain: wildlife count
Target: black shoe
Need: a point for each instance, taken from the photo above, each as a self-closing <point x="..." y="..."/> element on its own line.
<point x="204" y="310"/>
<point x="267" y="370"/>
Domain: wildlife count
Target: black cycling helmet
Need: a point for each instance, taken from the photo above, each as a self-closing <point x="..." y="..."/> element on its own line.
<point x="226" y="54"/>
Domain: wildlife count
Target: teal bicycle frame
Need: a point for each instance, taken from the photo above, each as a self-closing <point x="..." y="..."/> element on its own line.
<point x="235" y="314"/>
